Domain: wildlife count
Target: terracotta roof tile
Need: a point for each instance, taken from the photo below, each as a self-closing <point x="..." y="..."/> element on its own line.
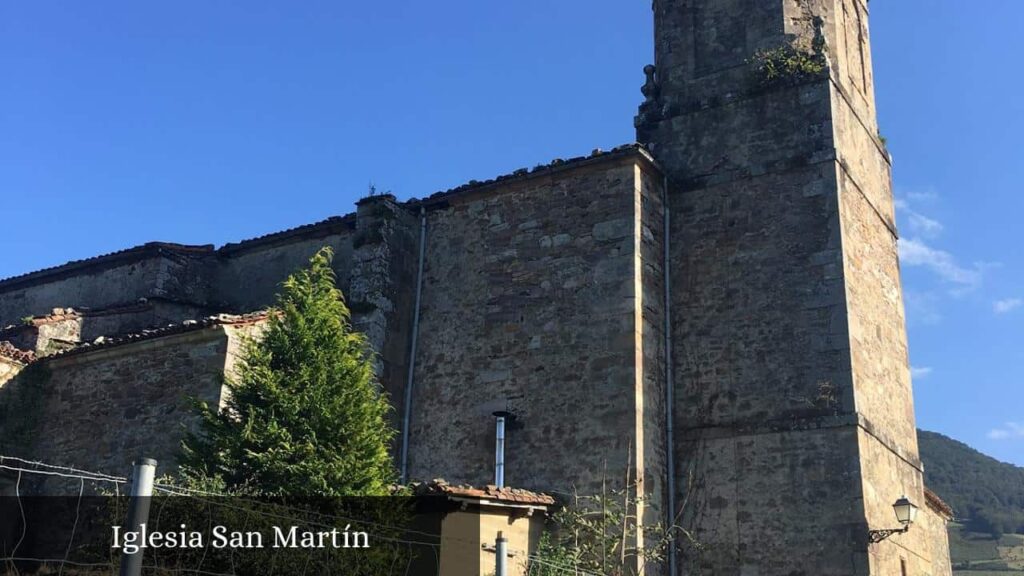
<point x="8" y="351"/>
<point x="57" y="315"/>
<point x="937" y="504"/>
<point x="489" y="492"/>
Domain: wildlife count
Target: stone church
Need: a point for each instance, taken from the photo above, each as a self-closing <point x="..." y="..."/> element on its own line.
<point x="714" y="312"/>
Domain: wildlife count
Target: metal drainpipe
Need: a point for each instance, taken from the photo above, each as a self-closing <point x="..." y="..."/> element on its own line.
<point x="670" y="463"/>
<point x="407" y="411"/>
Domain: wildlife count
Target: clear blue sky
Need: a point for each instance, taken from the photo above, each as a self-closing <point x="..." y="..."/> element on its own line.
<point x="209" y="122"/>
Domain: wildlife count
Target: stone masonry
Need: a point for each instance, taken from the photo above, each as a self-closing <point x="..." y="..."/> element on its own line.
<point x="790" y="355"/>
<point x="754" y="221"/>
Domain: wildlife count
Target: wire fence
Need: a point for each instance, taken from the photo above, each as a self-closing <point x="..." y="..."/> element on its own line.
<point x="419" y="549"/>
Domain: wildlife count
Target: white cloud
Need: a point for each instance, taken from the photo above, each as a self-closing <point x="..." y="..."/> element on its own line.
<point x="921" y="224"/>
<point x="1012" y="431"/>
<point x="916" y="252"/>
<point x="918" y="372"/>
<point x="923" y="196"/>
<point x="1006" y="305"/>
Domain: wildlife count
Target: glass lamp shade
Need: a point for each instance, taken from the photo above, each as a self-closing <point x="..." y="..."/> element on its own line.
<point x="906" y="512"/>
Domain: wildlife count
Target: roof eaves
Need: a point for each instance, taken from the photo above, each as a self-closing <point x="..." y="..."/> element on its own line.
<point x="104" y="343"/>
<point x="106" y="260"/>
<point x="937" y="504"/>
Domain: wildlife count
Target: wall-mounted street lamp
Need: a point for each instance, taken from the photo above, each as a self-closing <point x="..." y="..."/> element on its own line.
<point x="906" y="513"/>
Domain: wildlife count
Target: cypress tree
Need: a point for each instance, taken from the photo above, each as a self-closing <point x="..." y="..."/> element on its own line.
<point x="304" y="414"/>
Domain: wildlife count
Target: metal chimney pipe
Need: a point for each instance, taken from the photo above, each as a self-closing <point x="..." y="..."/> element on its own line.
<point x="499" y="448"/>
<point x="501" y="555"/>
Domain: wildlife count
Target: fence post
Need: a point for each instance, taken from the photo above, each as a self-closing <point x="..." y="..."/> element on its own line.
<point x="143" y="473"/>
<point x="501" y="555"/>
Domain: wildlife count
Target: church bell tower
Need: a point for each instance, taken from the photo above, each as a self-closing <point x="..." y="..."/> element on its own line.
<point x="793" y="416"/>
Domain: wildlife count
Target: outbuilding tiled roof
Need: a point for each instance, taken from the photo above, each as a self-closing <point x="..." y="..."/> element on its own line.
<point x="937" y="504"/>
<point x="489" y="492"/>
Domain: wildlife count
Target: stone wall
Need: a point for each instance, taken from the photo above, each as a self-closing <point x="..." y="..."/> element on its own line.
<point x="45" y="334"/>
<point x="140" y="316"/>
<point x="649" y="342"/>
<point x="101" y="409"/>
<point x="248" y="275"/>
<point x="153" y="270"/>
<point x="924" y="549"/>
<point x="765" y="445"/>
<point x="65" y="328"/>
<point x="382" y="286"/>
<point x="789" y="342"/>
<point x="532" y="302"/>
<point x="544" y="294"/>
<point x="773" y="502"/>
<point x="8" y="369"/>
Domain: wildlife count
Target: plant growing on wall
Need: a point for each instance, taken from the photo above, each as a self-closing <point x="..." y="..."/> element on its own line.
<point x="304" y="414"/>
<point x="787" y="64"/>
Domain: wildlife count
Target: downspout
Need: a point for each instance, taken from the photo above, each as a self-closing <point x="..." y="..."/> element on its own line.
<point x="670" y="463"/>
<point x="407" y="409"/>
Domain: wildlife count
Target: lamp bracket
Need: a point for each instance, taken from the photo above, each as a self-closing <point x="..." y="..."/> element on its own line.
<point x="876" y="536"/>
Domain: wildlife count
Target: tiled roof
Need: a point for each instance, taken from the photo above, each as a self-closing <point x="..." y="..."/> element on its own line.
<point x="186" y="326"/>
<point x="558" y="164"/>
<point x="57" y="315"/>
<point x="937" y="504"/>
<point x="62" y="314"/>
<point x="489" y="492"/>
<point x="348" y="220"/>
<point x="324" y="227"/>
<point x="7" y="350"/>
<point x="128" y="254"/>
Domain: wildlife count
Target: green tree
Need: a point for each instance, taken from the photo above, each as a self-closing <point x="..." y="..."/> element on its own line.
<point x="304" y="414"/>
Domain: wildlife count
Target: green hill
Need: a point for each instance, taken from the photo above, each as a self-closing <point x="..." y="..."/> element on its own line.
<point x="986" y="494"/>
<point x="988" y="498"/>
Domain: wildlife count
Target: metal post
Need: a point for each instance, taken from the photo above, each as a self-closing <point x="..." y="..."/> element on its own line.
<point x="143" y="473"/>
<point x="501" y="556"/>
<point x="499" y="449"/>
